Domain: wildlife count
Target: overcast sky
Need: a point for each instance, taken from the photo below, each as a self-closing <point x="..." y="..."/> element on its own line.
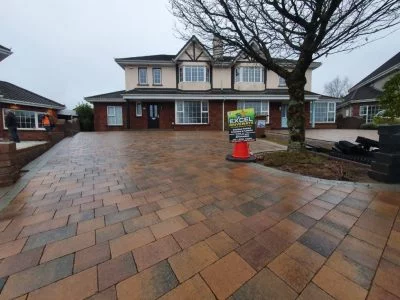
<point x="65" y="49"/>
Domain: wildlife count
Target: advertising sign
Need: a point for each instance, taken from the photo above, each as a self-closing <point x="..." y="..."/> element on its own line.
<point x="241" y="125"/>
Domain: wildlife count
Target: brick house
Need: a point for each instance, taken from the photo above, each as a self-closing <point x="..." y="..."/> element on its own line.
<point x="193" y="90"/>
<point x="362" y="99"/>
<point x="29" y="108"/>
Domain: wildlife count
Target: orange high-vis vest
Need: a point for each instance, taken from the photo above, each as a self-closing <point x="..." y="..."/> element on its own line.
<point x="46" y="121"/>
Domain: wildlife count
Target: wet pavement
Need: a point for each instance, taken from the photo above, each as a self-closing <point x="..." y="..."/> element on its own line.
<point x="144" y="215"/>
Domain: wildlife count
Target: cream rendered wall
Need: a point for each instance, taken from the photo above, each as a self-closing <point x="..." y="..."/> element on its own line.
<point x="221" y="78"/>
<point x="168" y="77"/>
<point x="273" y="80"/>
<point x="194" y="85"/>
<point x="380" y="83"/>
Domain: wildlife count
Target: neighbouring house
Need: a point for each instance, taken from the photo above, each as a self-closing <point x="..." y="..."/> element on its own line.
<point x="4" y="52"/>
<point x="29" y="108"/>
<point x="193" y="90"/>
<point x="362" y="99"/>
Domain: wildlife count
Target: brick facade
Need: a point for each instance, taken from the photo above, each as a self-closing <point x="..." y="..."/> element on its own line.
<point x="167" y="116"/>
<point x="26" y="134"/>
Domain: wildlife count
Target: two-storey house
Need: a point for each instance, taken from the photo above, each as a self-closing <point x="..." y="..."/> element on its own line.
<point x="194" y="89"/>
<point x="363" y="98"/>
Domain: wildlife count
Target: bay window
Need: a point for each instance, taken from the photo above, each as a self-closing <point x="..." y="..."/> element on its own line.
<point x="26" y="119"/>
<point x="194" y="74"/>
<point x="261" y="108"/>
<point x="114" y="115"/>
<point x="191" y="112"/>
<point x="325" y="112"/>
<point x="249" y="74"/>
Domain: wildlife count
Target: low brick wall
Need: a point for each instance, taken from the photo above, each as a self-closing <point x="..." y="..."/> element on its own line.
<point x="13" y="160"/>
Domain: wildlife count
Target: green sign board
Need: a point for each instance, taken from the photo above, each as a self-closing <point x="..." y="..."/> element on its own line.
<point x="241" y="125"/>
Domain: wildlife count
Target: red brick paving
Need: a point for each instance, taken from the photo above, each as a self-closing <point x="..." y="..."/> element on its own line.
<point x="134" y="215"/>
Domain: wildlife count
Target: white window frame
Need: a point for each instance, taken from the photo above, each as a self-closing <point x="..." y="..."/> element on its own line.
<point x="368" y="109"/>
<point x="139" y="109"/>
<point x="251" y="72"/>
<point x="201" y="112"/>
<point x="37" y="123"/>
<point x="243" y="104"/>
<point x="154" y="81"/>
<point x="114" y="115"/>
<point x="184" y="69"/>
<point x="282" y="82"/>
<point x="329" y="110"/>
<point x="139" y="77"/>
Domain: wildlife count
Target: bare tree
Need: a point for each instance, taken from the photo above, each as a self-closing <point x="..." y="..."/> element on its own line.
<point x="299" y="30"/>
<point x="337" y="87"/>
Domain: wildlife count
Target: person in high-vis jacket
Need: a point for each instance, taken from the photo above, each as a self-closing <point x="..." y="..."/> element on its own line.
<point x="46" y="122"/>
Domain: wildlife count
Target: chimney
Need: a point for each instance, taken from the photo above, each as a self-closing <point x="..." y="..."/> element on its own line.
<point x="218" y="48"/>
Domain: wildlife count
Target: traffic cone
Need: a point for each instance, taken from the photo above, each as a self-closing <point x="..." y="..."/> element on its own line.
<point x="241" y="150"/>
<point x="241" y="153"/>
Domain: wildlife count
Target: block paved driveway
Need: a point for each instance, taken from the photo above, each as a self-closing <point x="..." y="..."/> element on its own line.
<point x="143" y="215"/>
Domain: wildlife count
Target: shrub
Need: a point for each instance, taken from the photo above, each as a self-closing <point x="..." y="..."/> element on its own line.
<point x="369" y="126"/>
<point x="390" y="99"/>
<point x="85" y="113"/>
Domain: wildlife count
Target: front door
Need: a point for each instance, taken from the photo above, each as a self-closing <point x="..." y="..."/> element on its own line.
<point x="153" y="116"/>
<point x="284" y="109"/>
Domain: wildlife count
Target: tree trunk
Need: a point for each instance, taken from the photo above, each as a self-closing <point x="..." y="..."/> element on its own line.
<point x="296" y="113"/>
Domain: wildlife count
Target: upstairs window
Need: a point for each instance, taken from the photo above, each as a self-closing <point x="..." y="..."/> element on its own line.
<point x="142" y="76"/>
<point x="282" y="81"/>
<point x="156" y="76"/>
<point x="194" y="74"/>
<point x="249" y="74"/>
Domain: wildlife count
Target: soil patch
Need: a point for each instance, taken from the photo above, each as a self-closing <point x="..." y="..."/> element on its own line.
<point x="318" y="166"/>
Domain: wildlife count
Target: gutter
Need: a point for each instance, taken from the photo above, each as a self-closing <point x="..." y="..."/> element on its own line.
<point x="11" y="101"/>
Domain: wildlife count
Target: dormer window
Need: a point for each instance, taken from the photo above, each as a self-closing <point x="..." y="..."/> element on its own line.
<point x="249" y="74"/>
<point x="194" y="74"/>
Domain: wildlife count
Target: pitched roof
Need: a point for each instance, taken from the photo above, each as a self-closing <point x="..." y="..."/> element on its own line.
<point x="395" y="60"/>
<point x="116" y="94"/>
<point x="4" y="48"/>
<point x="10" y="93"/>
<point x="363" y="93"/>
<point x="152" y="91"/>
<point x="157" y="57"/>
<point x="4" y="52"/>
<point x="111" y="95"/>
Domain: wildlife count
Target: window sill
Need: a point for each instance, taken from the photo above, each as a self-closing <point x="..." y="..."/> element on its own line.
<point x="143" y="84"/>
<point x="27" y="129"/>
<point x="157" y="84"/>
<point x="115" y="125"/>
<point x="191" y="124"/>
